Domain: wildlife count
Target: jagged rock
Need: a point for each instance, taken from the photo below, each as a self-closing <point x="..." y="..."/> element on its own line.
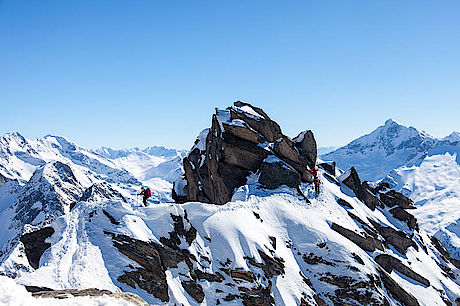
<point x="329" y="167"/>
<point x="275" y="173"/>
<point x="403" y="215"/>
<point x="396" y="238"/>
<point x="393" y="198"/>
<point x="92" y="292"/>
<point x="195" y="290"/>
<point x="344" y="203"/>
<point x="260" y="296"/>
<point x="99" y="192"/>
<point x="263" y="124"/>
<point x="389" y="263"/>
<point x="35" y="245"/>
<point x="242" y="140"/>
<point x="441" y="249"/>
<point x="3" y="179"/>
<point x="306" y="144"/>
<point x="352" y="181"/>
<point x="245" y="275"/>
<point x="396" y="290"/>
<point x="365" y="243"/>
<point x="154" y="259"/>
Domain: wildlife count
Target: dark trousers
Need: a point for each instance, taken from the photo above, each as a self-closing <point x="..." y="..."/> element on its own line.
<point x="144" y="200"/>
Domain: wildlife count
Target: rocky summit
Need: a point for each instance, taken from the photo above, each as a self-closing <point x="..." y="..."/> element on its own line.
<point x="243" y="141"/>
<point x="71" y="222"/>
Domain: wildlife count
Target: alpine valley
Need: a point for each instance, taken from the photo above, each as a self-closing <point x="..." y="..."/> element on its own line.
<point x="234" y="221"/>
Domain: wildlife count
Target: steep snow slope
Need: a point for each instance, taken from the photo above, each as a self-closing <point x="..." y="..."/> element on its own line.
<point x="434" y="185"/>
<point x="274" y="244"/>
<point x="388" y="147"/>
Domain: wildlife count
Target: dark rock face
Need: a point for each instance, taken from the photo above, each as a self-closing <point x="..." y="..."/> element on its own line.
<point x="100" y="192"/>
<point x="396" y="290"/>
<point x="92" y="292"/>
<point x="243" y="140"/>
<point x="35" y="245"/>
<point x="398" y="239"/>
<point x="274" y="175"/>
<point x="393" y="198"/>
<point x="306" y="144"/>
<point x="403" y="215"/>
<point x="353" y="182"/>
<point x="2" y="179"/>
<point x="389" y="263"/>
<point x="329" y="167"/>
<point x="366" y="243"/>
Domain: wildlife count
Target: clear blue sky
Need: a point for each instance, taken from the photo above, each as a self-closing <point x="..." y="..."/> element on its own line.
<point x="140" y="73"/>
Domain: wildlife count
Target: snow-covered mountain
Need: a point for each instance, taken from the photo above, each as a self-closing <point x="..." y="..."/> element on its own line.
<point x="388" y="147"/>
<point x="422" y="167"/>
<point x="70" y="220"/>
<point x="147" y="164"/>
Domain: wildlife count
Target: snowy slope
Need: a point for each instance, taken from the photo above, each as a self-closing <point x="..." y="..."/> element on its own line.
<point x="233" y="237"/>
<point x="423" y="168"/>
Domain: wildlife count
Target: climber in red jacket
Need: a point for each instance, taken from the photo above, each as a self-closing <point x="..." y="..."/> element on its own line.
<point x="314" y="171"/>
<point x="145" y="192"/>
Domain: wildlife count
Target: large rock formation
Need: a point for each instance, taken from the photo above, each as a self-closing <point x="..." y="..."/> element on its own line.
<point x="242" y="141"/>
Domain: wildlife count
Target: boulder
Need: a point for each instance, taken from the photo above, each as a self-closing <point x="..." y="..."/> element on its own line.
<point x="306" y="144"/>
<point x="275" y="173"/>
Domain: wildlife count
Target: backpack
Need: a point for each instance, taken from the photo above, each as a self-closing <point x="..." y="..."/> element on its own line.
<point x="148" y="193"/>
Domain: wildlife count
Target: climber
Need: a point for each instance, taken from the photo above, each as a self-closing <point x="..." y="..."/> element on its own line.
<point x="314" y="171"/>
<point x="145" y="192"/>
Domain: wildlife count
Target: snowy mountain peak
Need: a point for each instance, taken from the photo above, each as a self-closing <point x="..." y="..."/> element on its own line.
<point x="453" y="137"/>
<point x="392" y="144"/>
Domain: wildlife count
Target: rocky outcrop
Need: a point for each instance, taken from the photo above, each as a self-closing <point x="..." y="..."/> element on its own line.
<point x="396" y="290"/>
<point x="91" y="292"/>
<point x="389" y="263"/>
<point x="243" y="140"/>
<point x="3" y="179"/>
<point x="329" y="167"/>
<point x="100" y="192"/>
<point x="351" y="179"/>
<point x="366" y="243"/>
<point x="393" y="198"/>
<point x="396" y="238"/>
<point x="35" y="245"/>
<point x="404" y="216"/>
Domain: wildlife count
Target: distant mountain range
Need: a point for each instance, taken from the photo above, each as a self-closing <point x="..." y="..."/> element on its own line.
<point x="71" y="219"/>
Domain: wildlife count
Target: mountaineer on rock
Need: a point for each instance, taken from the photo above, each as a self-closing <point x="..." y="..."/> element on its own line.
<point x="145" y="192"/>
<point x="314" y="171"/>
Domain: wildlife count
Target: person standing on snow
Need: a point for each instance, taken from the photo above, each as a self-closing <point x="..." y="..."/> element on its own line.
<point x="145" y="193"/>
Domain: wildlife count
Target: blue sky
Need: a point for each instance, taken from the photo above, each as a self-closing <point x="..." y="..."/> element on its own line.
<point x="141" y="73"/>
